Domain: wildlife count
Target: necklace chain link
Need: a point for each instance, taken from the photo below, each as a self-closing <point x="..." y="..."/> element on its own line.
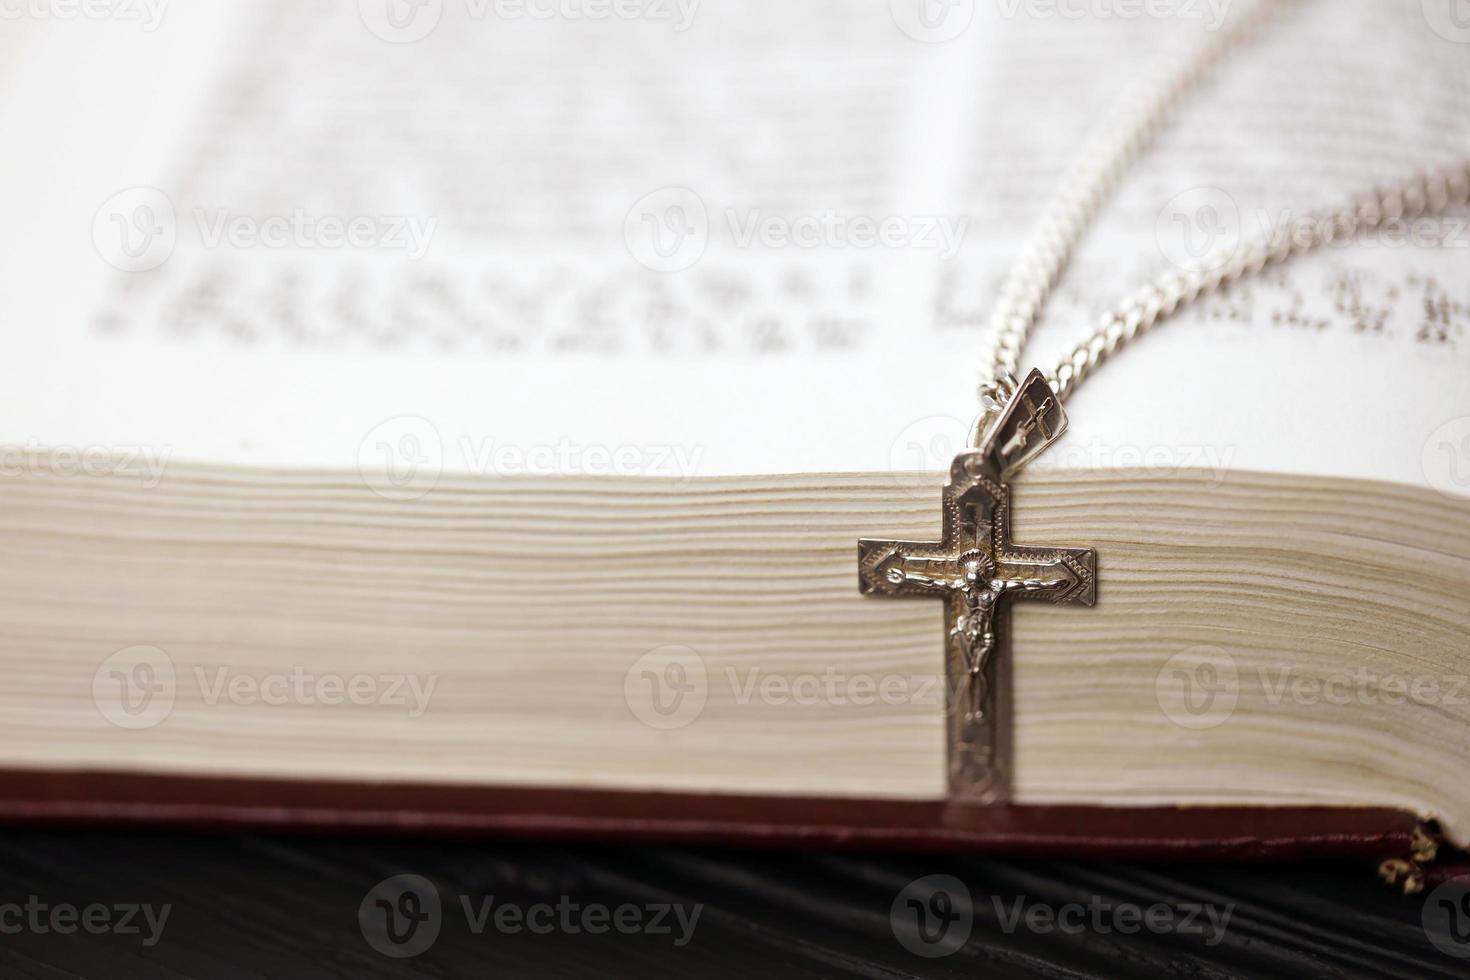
<point x="1124" y="135"/>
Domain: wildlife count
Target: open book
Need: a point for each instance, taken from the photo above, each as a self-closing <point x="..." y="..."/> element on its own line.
<point x="443" y="415"/>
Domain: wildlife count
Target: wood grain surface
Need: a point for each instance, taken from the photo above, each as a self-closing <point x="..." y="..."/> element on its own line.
<point x="286" y="906"/>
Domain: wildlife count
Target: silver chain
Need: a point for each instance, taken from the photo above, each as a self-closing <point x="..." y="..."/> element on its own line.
<point x="1119" y="141"/>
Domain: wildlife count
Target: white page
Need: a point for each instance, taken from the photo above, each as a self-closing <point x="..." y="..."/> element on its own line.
<point x="528" y="337"/>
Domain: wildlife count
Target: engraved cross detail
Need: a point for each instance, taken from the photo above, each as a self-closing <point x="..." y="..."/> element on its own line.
<point x="975" y="568"/>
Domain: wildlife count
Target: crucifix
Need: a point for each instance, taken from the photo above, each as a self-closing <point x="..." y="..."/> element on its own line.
<point x="975" y="568"/>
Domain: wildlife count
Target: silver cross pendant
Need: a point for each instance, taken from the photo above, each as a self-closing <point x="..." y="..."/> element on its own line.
<point x="976" y="569"/>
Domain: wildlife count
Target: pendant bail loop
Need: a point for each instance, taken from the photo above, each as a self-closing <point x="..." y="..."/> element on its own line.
<point x="995" y="395"/>
<point x="1030" y="420"/>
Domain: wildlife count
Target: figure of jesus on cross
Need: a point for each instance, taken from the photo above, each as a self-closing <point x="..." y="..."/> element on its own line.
<point x="973" y="581"/>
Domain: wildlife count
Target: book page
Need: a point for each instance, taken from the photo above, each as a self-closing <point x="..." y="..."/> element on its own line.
<point x="707" y="239"/>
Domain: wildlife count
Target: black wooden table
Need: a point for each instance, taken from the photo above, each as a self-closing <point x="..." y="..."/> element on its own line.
<point x="155" y="905"/>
